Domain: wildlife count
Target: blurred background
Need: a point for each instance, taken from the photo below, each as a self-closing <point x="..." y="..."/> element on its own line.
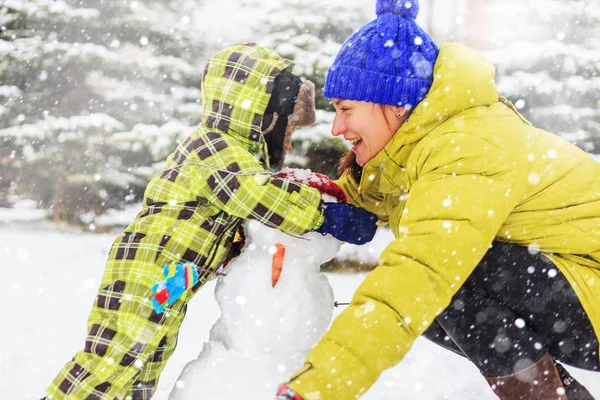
<point x="94" y="94"/>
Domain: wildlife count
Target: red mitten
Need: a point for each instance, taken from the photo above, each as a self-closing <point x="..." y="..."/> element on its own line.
<point x="285" y="393"/>
<point x="321" y="182"/>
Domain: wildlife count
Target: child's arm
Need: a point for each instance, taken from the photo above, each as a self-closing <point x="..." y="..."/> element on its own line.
<point x="235" y="181"/>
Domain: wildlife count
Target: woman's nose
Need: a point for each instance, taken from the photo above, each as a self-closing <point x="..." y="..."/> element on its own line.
<point x="338" y="127"/>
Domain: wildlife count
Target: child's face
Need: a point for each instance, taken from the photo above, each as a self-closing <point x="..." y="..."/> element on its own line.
<point x="368" y="126"/>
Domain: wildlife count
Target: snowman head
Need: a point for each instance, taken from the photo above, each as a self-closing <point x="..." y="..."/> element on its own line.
<point x="312" y="248"/>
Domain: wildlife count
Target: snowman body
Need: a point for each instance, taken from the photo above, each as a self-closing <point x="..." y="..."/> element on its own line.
<point x="265" y="330"/>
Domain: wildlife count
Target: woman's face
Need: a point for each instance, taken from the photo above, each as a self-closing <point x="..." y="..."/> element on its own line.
<point x="368" y="126"/>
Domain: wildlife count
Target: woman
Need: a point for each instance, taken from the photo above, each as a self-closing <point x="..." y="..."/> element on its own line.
<point x="496" y="223"/>
<point x="215" y="178"/>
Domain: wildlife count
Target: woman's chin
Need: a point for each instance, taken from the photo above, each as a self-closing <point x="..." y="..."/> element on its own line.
<point x="360" y="159"/>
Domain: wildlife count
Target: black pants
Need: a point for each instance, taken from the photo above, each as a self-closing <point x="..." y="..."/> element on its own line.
<point x="512" y="309"/>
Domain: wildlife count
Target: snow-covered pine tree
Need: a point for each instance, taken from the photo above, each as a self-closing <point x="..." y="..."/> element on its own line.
<point x="551" y="69"/>
<point x="93" y="93"/>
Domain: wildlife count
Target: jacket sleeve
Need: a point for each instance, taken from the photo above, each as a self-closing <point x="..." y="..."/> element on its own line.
<point x="235" y="181"/>
<point x="462" y="190"/>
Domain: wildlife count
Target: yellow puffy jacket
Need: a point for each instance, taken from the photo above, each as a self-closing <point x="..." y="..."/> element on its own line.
<point x="465" y="169"/>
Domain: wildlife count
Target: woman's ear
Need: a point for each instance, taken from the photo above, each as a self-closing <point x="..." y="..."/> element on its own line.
<point x="400" y="112"/>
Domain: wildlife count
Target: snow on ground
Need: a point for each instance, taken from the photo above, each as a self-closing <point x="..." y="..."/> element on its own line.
<point x="48" y="283"/>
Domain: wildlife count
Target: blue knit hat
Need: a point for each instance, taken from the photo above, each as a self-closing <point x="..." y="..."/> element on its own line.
<point x="387" y="61"/>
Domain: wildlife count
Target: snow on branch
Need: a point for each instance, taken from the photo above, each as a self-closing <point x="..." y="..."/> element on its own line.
<point x="53" y="126"/>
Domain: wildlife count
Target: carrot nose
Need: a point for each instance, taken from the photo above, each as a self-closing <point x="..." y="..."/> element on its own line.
<point x="277" y="263"/>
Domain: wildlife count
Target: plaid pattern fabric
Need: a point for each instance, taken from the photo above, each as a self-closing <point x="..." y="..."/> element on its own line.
<point x="213" y="180"/>
<point x="236" y="89"/>
<point x="316" y="180"/>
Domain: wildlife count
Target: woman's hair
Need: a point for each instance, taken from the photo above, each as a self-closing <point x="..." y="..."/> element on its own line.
<point x="348" y="163"/>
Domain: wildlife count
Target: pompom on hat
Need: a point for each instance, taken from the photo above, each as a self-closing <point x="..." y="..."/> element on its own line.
<point x="387" y="61"/>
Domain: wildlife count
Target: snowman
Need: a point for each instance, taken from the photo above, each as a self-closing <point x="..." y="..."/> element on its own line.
<point x="275" y="304"/>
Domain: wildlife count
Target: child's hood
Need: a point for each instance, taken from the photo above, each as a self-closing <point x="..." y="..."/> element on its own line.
<point x="236" y="88"/>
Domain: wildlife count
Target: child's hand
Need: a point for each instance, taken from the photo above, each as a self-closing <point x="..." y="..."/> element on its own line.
<point x="180" y="278"/>
<point x="321" y="182"/>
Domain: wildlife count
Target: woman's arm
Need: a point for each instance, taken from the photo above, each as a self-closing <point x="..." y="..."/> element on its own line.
<point x="457" y="202"/>
<point x="231" y="178"/>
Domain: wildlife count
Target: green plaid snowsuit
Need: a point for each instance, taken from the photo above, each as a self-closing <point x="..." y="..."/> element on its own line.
<point x="213" y="180"/>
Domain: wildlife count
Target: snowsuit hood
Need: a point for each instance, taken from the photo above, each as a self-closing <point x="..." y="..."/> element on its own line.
<point x="236" y="88"/>
<point x="217" y="177"/>
<point x="465" y="169"/>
